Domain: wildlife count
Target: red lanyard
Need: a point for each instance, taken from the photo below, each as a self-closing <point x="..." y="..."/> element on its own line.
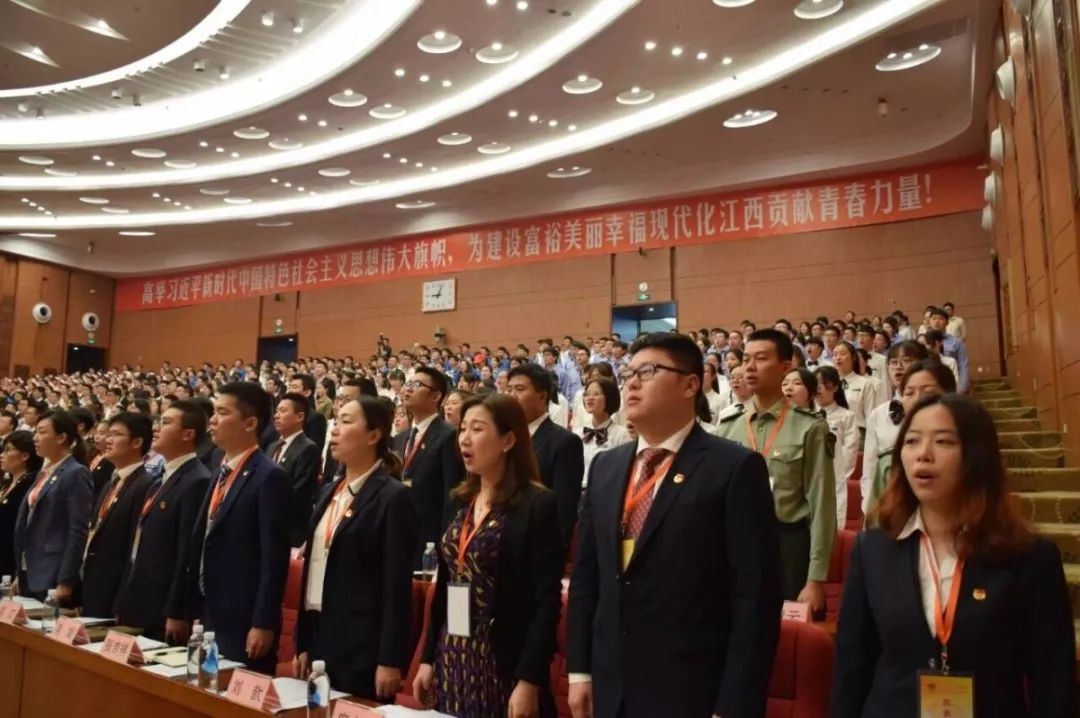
<point x="636" y="494"/>
<point x="333" y="518"/>
<point x="415" y="447"/>
<point x="944" y="619"/>
<point x="111" y="498"/>
<point x="148" y="504"/>
<point x="772" y="436"/>
<point x="35" y="491"/>
<point x="223" y="487"/>
<point x="466" y="536"/>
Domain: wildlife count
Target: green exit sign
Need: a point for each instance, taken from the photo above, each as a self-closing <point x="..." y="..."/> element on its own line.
<point x="642" y="297"/>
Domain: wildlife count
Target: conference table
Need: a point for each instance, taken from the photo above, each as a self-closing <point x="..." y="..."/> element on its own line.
<point x="43" y="678"/>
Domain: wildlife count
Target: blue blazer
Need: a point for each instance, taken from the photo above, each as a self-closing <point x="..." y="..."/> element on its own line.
<point x="53" y="534"/>
<point x="244" y="558"/>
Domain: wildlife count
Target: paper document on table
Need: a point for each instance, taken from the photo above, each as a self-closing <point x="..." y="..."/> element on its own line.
<point x="292" y="692"/>
<point x="88" y="621"/>
<point x="29" y="604"/>
<point x="403" y="712"/>
<point x="164" y="671"/>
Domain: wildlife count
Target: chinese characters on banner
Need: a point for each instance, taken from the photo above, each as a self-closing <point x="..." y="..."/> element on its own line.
<point x="876" y="199"/>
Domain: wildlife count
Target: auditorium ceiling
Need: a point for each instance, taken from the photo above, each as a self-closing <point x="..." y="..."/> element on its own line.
<point x="137" y="137"/>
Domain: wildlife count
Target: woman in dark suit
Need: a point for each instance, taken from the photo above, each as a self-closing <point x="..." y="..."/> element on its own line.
<point x="20" y="464"/>
<point x="50" y="530"/>
<point x="953" y="579"/>
<point x="504" y="544"/>
<point x="356" y="594"/>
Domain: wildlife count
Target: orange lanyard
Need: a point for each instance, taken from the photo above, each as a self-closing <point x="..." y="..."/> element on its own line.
<point x="636" y="494"/>
<point x="222" y="487"/>
<point x="415" y="447"/>
<point x="465" y="537"/>
<point x="944" y="619"/>
<point x="772" y="436"/>
<point x="334" y="514"/>
<point x="113" y="496"/>
<point x="35" y="490"/>
<point x="150" y="502"/>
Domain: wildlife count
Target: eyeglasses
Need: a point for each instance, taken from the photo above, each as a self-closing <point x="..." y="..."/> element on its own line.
<point x="646" y="372"/>
<point x="414" y="384"/>
<point x="903" y="363"/>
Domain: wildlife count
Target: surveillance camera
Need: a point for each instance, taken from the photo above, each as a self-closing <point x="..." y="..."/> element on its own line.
<point x="42" y="313"/>
<point x="90" y="322"/>
<point x="199" y="66"/>
<point x="882" y="107"/>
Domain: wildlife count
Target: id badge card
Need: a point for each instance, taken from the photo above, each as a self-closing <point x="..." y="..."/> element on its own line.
<point x="458" y="620"/>
<point x="627" y="551"/>
<point x="135" y="543"/>
<point x="946" y="696"/>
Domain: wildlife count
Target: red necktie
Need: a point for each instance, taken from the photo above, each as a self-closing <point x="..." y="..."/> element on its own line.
<point x="650" y="460"/>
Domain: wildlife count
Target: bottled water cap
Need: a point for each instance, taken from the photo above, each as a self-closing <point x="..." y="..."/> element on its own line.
<point x="318" y="666"/>
<point x="430" y="545"/>
<point x="209" y="635"/>
<point x="51" y="593"/>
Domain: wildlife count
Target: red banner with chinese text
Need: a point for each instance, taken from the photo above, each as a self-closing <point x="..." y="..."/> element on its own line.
<point x="835" y="204"/>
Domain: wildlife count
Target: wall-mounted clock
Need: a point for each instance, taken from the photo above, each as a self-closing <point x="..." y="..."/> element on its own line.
<point x="440" y="295"/>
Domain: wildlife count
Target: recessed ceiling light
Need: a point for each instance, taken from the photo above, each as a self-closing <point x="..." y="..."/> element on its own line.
<point x="553" y="123"/>
<point x="818" y="9"/>
<point x="96" y="158"/>
<point x="492" y="3"/>
<point x="204" y="143"/>
<point x="287" y="184"/>
<point x="403" y="160"/>
<point x="36" y="160"/>
<point x="893" y="62"/>
<point x="213" y="192"/>
<point x="399" y="72"/>
<point x="569" y="172"/>
<point x="572" y="128"/>
<point x="727" y="61"/>
<point x="285" y="144"/>
<point x="424" y="78"/>
<point x="167" y="200"/>
<point x="273" y="180"/>
<point x="522" y="5"/>
<point x="348" y="98"/>
<point x="110" y="163"/>
<point x="494" y="148"/>
<point x="24" y="200"/>
<point x="149" y="153"/>
<point x="298" y="26"/>
<point x="251" y="133"/>
<point x="750" y="118"/>
<point x="650" y="45"/>
<point x="155" y="195"/>
<point x="187" y="206"/>
<point x="237" y="200"/>
<point x="302" y="117"/>
<point x="37" y="235"/>
<point x="497" y="53"/>
<point x="582" y="85"/>
<point x="364" y="182"/>
<point x="418" y="165"/>
<point x="322" y="123"/>
<point x="415" y="204"/>
<point x="93" y="200"/>
<point x="181" y="164"/>
<point x="386" y="155"/>
<point x="223" y="72"/>
<point x="533" y="118"/>
<point x="455" y="138"/>
<point x="387" y="111"/>
<point x="268" y="19"/>
<point x="299" y="189"/>
<point x="55" y="172"/>
<point x="703" y="55"/>
<point x="234" y="155"/>
<point x="439" y="42"/>
<point x="447" y="83"/>
<point x="512" y="113"/>
<point x="136" y="233"/>
<point x="335" y="172"/>
<point x="732" y="3"/>
<point x="676" y="51"/>
<point x="434" y="169"/>
<point x="219" y="149"/>
<point x="635" y="96"/>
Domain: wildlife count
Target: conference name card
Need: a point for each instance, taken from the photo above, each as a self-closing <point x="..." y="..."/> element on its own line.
<point x="12" y="612"/>
<point x="122" y="648"/>
<point x="70" y="631"/>
<point x="795" y="611"/>
<point x="253" y="690"/>
<point x="347" y="709"/>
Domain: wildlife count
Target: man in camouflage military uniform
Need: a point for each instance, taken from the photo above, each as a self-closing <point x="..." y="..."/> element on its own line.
<point x="798" y="449"/>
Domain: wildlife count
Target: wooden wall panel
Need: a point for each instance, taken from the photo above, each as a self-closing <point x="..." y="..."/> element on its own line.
<point x="39" y="346"/>
<point x="653" y="267"/>
<point x="217" y="333"/>
<point x="89" y="293"/>
<point x="278" y="308"/>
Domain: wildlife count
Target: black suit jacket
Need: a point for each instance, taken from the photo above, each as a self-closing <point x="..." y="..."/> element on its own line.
<point x="108" y="549"/>
<point x="561" y="458"/>
<point x="366" y="613"/>
<point x="301" y="463"/>
<point x="1018" y="639"/>
<point x="315" y="426"/>
<point x="101" y="475"/>
<point x="690" y="628"/>
<point x="9" y="512"/>
<point x="154" y="585"/>
<point x="436" y="468"/>
<point x="209" y="454"/>
<point x="528" y="589"/>
<point x="246" y="559"/>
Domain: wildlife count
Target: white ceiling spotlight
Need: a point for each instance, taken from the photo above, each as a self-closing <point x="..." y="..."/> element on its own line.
<point x="36" y="160"/>
<point x="284" y="144"/>
<point x="454" y="139"/>
<point x="677" y="51"/>
<point x="335" y="172"/>
<point x="750" y="118"/>
<point x="818" y="9"/>
<point x="702" y="55"/>
<point x="223" y="72"/>
<point x="56" y="172"/>
<point x="1006" y="81"/>
<point x="237" y="200"/>
<point x="732" y="3"/>
<point x="150" y="153"/>
<point x="268" y="18"/>
<point x="364" y="182"/>
<point x="997" y="146"/>
<point x="569" y="172"/>
<point x="990" y="189"/>
<point x="522" y="5"/>
<point x="494" y="148"/>
<point x="415" y="204"/>
<point x="347" y="98"/>
<point x="93" y="200"/>
<point x="635" y="96"/>
<point x="181" y="164"/>
<point x="387" y="111"/>
<point x="497" y="53"/>
<point x="251" y="133"/>
<point x="988" y="218"/>
<point x="581" y="85"/>
<point x="136" y="233"/>
<point x="439" y="42"/>
<point x="650" y="45"/>
<point x="214" y="191"/>
<point x="907" y="59"/>
<point x="298" y="26"/>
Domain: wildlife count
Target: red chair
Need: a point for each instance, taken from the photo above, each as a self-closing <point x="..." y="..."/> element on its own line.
<point x="802" y="672"/>
<point x="838" y="568"/>
<point x="405" y="697"/>
<point x="560" y="681"/>
<point x="854" y="506"/>
<point x="290" y="608"/>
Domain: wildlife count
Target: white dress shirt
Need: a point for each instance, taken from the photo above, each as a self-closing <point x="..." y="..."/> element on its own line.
<point x="946" y="568"/>
<point x="842" y="425"/>
<point x="421" y="430"/>
<point x="616" y="435"/>
<point x="128" y="470"/>
<point x="285" y="443"/>
<point x="881" y="435"/>
<point x="320" y="552"/>
<point x="172" y="466"/>
<point x="535" y="424"/>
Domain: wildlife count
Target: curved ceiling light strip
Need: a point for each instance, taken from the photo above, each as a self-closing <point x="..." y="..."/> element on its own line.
<point x="72" y="16"/>
<point x="837" y="38"/>
<point x="225" y="12"/>
<point x="528" y="66"/>
<point x="332" y="48"/>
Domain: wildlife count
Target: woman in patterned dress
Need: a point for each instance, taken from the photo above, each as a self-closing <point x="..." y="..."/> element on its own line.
<point x="495" y="611"/>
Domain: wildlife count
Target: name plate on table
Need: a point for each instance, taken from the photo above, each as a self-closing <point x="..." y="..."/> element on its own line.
<point x="794" y="611"/>
<point x="253" y="690"/>
<point x="345" y="709"/>
<point x="70" y="631"/>
<point x="122" y="648"/>
<point x="12" y="612"/>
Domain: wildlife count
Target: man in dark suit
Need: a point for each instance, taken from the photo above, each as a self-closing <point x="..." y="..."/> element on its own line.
<point x="560" y="454"/>
<point x="206" y="449"/>
<point x="315" y="424"/>
<point x="113" y="519"/>
<point x="154" y="596"/>
<point x="240" y="544"/>
<point x="432" y="465"/>
<point x="675" y="600"/>
<point x="299" y="456"/>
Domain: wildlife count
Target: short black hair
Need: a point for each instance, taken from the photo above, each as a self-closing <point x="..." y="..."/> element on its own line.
<point x="684" y="352"/>
<point x="365" y="385"/>
<point x="612" y="401"/>
<point x="439" y="381"/>
<point x="192" y="416"/>
<point x="138" y="425"/>
<point x="538" y="376"/>
<point x="329" y="385"/>
<point x="816" y="341"/>
<point x="938" y="312"/>
<point x="934" y="336"/>
<point x="306" y="380"/>
<point x="84" y="418"/>
<point x="949" y="304"/>
<point x="203" y="403"/>
<point x="299" y="402"/>
<point x="785" y="350"/>
<point x="251" y="400"/>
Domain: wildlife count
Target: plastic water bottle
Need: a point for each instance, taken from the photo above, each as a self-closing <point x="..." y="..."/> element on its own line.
<point x="194" y="653"/>
<point x="5" y="588"/>
<point x="208" y="668"/>
<point x="429" y="562"/>
<point x="318" y="691"/>
<point x="51" y="614"/>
